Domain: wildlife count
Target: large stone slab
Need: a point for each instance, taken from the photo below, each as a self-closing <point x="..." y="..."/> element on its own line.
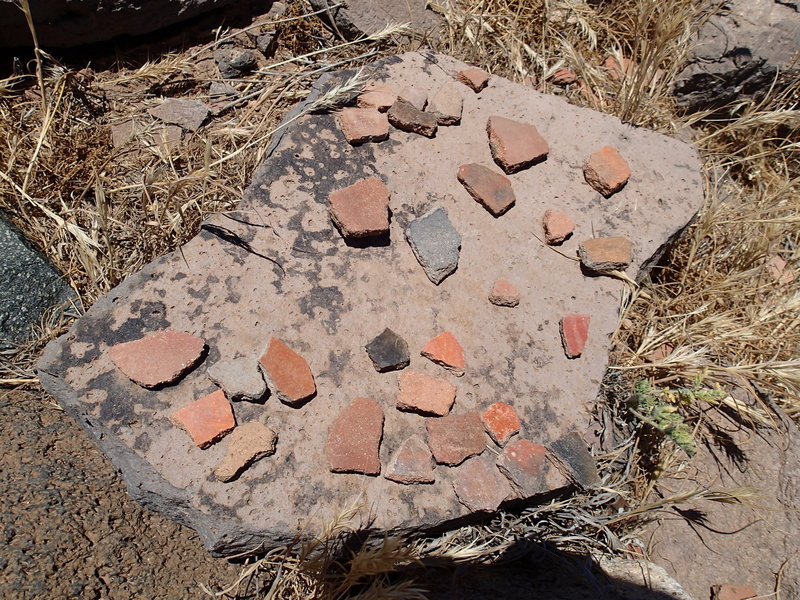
<point x="277" y="267"/>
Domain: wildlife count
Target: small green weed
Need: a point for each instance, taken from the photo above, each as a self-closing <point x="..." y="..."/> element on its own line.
<point x="658" y="407"/>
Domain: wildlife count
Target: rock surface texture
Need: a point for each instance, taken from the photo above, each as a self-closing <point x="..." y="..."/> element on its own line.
<point x="356" y="18"/>
<point x="29" y="285"/>
<point x="743" y="51"/>
<point x="238" y="284"/>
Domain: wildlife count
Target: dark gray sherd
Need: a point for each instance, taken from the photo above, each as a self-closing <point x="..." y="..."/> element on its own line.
<point x="435" y="243"/>
<point x="388" y="352"/>
<point x="572" y="452"/>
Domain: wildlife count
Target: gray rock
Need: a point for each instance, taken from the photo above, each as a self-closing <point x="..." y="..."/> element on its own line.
<point x="240" y="378"/>
<point x="233" y="63"/>
<point x="221" y="95"/>
<point x="188" y="113"/>
<point x="578" y="463"/>
<point x="436" y="244"/>
<point x="244" y="61"/>
<point x="29" y="286"/>
<point x="744" y="50"/>
<point x="388" y="352"/>
<point x="70" y="23"/>
<point x="639" y="580"/>
<point x="226" y="69"/>
<point x="266" y="43"/>
<point x="220" y="89"/>
<point x="357" y="18"/>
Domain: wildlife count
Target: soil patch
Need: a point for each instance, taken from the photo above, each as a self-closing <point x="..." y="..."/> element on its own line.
<point x="70" y="530"/>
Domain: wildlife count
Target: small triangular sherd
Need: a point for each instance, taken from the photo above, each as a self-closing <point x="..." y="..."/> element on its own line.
<point x="445" y="350"/>
<point x="411" y="463"/>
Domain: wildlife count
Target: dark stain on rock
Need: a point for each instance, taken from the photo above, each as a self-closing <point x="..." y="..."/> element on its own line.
<point x="152" y="317"/>
<point x="234" y="296"/>
<point x="119" y="407"/>
<point x="142" y="442"/>
<point x="539" y="414"/>
<point x="329" y="299"/>
<point x="199" y="294"/>
<point x="236" y="248"/>
<point x="304" y="240"/>
<point x="220" y="510"/>
<point x="338" y="361"/>
<point x="178" y="276"/>
<point x="67" y="359"/>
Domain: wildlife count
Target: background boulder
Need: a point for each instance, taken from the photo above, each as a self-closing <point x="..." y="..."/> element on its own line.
<point x="69" y="23"/>
<point x="745" y="49"/>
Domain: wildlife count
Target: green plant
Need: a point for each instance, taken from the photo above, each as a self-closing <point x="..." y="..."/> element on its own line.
<point x="659" y="408"/>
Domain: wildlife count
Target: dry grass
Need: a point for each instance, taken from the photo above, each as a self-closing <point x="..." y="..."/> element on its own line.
<point x="529" y="41"/>
<point x="716" y="305"/>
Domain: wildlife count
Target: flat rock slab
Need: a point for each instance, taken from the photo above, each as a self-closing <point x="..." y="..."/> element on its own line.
<point x="188" y="113"/>
<point x="240" y="283"/>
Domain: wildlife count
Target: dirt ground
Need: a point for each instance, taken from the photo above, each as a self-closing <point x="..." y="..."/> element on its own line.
<point x="753" y="542"/>
<point x="69" y="530"/>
